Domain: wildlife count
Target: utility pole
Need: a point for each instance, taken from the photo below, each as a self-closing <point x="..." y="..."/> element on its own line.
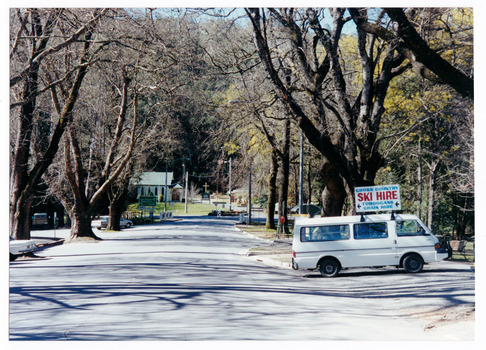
<point x="230" y="184"/>
<point x="165" y="192"/>
<point x="185" y="192"/>
<point x="249" y="197"/>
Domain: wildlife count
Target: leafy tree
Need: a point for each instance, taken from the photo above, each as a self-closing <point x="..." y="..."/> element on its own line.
<point x="427" y="130"/>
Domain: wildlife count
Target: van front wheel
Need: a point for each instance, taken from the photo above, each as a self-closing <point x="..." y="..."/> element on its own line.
<point x="413" y="263"/>
<point x="329" y="268"/>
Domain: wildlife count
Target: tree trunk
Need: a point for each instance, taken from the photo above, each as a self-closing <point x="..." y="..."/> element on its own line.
<point x="117" y="197"/>
<point x="81" y="224"/>
<point x="116" y="210"/>
<point x="272" y="192"/>
<point x="284" y="184"/>
<point x="309" y="183"/>
<point x="334" y="194"/>
<point x="19" y="206"/>
<point x="20" y="222"/>
<point x="419" y="180"/>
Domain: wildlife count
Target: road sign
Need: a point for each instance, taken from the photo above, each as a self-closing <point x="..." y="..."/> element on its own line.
<point x="377" y="198"/>
<point x="147" y="201"/>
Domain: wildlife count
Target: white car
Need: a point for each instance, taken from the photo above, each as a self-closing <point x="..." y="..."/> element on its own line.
<point x="21" y="247"/>
<point x="102" y="222"/>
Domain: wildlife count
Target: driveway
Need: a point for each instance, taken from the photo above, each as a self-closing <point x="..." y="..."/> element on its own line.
<point x="189" y="280"/>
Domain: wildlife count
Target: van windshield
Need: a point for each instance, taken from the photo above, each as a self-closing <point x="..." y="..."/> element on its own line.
<point x="409" y="228"/>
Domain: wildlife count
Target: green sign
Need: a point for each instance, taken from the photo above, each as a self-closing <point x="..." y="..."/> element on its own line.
<point x="147" y="201"/>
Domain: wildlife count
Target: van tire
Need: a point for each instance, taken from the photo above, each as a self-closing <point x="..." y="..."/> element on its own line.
<point x="413" y="263"/>
<point x="329" y="267"/>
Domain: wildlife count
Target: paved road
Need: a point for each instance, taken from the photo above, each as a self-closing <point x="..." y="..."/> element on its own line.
<point x="188" y="280"/>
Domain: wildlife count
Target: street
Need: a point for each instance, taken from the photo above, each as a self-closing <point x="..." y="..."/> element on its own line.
<point x="191" y="280"/>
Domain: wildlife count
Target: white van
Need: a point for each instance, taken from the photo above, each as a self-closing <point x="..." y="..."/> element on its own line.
<point x="332" y="243"/>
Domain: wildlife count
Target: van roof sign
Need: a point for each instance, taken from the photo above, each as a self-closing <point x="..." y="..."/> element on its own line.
<point x="377" y="198"/>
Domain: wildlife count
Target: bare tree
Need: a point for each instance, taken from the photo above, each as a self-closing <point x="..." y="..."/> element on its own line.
<point x="35" y="42"/>
<point x="344" y="126"/>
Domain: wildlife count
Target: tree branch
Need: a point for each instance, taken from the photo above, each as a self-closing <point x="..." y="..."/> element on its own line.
<point x="430" y="59"/>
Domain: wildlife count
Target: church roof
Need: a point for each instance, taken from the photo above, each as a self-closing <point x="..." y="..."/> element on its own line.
<point x="153" y="178"/>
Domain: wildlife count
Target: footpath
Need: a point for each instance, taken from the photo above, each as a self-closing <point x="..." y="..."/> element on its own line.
<point x="278" y="253"/>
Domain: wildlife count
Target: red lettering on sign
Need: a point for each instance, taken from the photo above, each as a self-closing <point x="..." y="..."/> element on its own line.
<point x="365" y="197"/>
<point x="386" y="195"/>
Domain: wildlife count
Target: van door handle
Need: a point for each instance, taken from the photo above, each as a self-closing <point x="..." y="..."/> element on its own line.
<point x="396" y="242"/>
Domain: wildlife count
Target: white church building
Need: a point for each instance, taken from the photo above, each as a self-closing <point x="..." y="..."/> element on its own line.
<point x="153" y="183"/>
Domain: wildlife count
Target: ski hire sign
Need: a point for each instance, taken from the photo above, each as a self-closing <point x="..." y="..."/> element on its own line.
<point x="377" y="198"/>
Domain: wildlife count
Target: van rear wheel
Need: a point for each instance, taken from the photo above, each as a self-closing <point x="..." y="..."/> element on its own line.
<point x="413" y="263"/>
<point x="329" y="268"/>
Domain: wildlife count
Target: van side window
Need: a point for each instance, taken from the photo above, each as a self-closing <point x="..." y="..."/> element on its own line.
<point x="409" y="228"/>
<point x="324" y="233"/>
<point x="370" y="230"/>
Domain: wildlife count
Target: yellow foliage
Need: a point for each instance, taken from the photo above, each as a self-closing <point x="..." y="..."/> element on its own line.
<point x="231" y="147"/>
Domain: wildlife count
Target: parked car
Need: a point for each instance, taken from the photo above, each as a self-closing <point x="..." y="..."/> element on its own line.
<point x="307" y="209"/>
<point x="125" y="223"/>
<point x="19" y="247"/>
<point x="102" y="222"/>
<point x="40" y="221"/>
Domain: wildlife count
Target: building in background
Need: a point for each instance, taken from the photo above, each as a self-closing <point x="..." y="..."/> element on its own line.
<point x="153" y="183"/>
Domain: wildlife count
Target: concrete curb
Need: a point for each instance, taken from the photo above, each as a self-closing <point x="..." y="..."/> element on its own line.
<point x="271" y="262"/>
<point x="41" y="242"/>
<point x="267" y="259"/>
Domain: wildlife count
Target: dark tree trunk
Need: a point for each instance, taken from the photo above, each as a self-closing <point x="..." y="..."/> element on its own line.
<point x="334" y="194"/>
<point x="117" y="195"/>
<point x="116" y="210"/>
<point x="21" y="223"/>
<point x="272" y="192"/>
<point x="81" y="210"/>
<point x="19" y="201"/>
<point x="117" y="204"/>
<point x="284" y="184"/>
<point x="81" y="224"/>
<point x="20" y="197"/>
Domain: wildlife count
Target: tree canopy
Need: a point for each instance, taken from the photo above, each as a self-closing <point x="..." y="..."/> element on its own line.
<point x="380" y="95"/>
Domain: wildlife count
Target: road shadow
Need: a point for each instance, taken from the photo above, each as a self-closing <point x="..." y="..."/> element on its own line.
<point x="374" y="272"/>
